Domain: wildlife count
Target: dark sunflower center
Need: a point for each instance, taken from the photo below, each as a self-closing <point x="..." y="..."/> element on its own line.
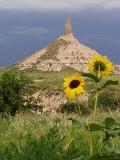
<point x="99" y="66"/>
<point x="74" y="84"/>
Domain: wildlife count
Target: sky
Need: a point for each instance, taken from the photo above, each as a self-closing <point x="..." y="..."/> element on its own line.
<point x="28" y="25"/>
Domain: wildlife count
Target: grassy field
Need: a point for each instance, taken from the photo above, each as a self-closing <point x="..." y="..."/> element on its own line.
<point x="32" y="137"/>
<point x="54" y="80"/>
<point x="58" y="137"/>
<point x="45" y="80"/>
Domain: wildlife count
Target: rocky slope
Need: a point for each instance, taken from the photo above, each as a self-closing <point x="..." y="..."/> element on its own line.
<point x="63" y="52"/>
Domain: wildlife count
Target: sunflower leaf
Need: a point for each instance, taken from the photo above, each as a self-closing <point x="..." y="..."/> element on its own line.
<point x="91" y="76"/>
<point x="110" y="83"/>
<point x="117" y="123"/>
<point x="114" y="133"/>
<point x="94" y="127"/>
<point x="109" y="122"/>
<point x="77" y="123"/>
<point x="104" y="157"/>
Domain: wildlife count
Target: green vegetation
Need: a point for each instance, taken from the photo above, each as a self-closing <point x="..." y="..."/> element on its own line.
<point x="51" y="80"/>
<point x="11" y="86"/>
<point x="33" y="137"/>
<point x="13" y="96"/>
<point x="48" y="136"/>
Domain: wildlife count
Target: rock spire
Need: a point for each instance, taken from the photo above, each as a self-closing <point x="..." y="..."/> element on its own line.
<point x="68" y="26"/>
<point x="66" y="51"/>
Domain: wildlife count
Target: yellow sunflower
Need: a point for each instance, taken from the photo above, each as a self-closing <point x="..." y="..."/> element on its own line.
<point x="100" y="65"/>
<point x="73" y="86"/>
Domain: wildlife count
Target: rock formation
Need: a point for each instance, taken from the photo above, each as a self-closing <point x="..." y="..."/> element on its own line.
<point x="68" y="26"/>
<point x="63" y="52"/>
<point x="117" y="69"/>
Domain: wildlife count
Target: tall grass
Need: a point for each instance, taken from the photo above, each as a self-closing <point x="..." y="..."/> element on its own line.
<point x="29" y="137"/>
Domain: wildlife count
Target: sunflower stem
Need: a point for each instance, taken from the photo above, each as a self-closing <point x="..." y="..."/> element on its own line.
<point x="90" y="140"/>
<point x="79" y="108"/>
<point x="95" y="107"/>
<point x="78" y="105"/>
<point x="96" y="96"/>
<point x="68" y="108"/>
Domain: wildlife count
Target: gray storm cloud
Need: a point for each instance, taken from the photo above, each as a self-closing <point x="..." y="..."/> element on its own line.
<point x="58" y="4"/>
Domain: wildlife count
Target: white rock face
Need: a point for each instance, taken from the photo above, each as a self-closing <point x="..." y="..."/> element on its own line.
<point x="63" y="52"/>
<point x="30" y="61"/>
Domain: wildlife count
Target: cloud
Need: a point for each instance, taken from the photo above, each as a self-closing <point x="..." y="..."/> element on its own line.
<point x="11" y="32"/>
<point x="58" y="4"/>
<point x="29" y="30"/>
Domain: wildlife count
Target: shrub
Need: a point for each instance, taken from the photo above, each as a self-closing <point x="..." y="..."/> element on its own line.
<point x="34" y="104"/>
<point x="11" y="86"/>
<point x="108" y="99"/>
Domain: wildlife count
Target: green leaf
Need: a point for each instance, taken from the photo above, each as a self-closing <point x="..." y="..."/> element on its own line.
<point x="76" y="122"/>
<point x="94" y="127"/>
<point x="114" y="133"/>
<point x="117" y="123"/>
<point x="91" y="76"/>
<point x="109" y="122"/>
<point x="106" y="137"/>
<point x="110" y="83"/>
<point x="103" y="157"/>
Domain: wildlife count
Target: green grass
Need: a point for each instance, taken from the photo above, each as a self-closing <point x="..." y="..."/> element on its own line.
<point x="45" y="137"/>
<point x="54" y="80"/>
<point x="32" y="137"/>
<point x="51" y="80"/>
<point x="109" y="98"/>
